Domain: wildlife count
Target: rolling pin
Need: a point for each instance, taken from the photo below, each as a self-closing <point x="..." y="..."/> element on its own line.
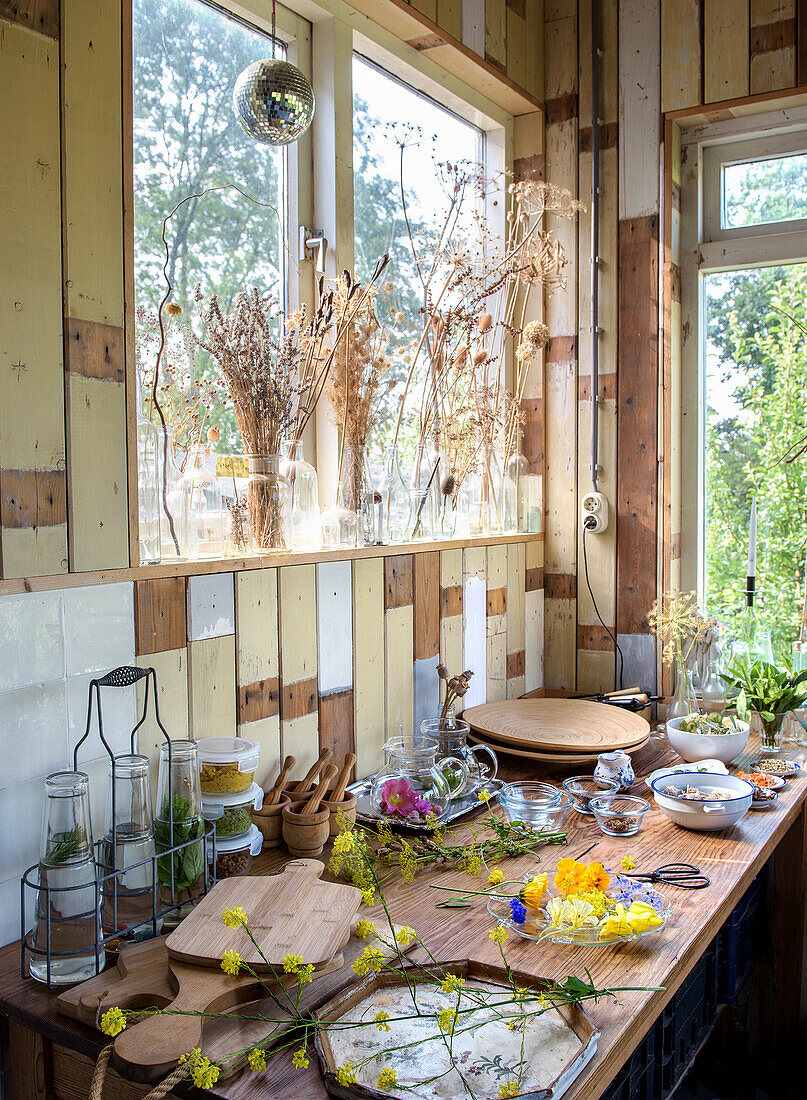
<point x="312" y="805"/>
<point x="338" y="792"/>
<point x="273" y="795"/>
<point x="305" y="783"/>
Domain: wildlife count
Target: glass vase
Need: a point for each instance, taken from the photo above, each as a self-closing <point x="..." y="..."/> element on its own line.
<point x="202" y="509"/>
<point x="771" y="734"/>
<point x="482" y="496"/>
<point x="128" y="848"/>
<point x="684" y="701"/>
<point x="269" y="500"/>
<point x="356" y="494"/>
<point x="179" y="821"/>
<point x="66" y="910"/>
<point x="713" y="692"/>
<point x="528" y="494"/>
<point x="302" y="479"/>
<point x="396" y="504"/>
<point x="451" y="735"/>
<point x="424" y="523"/>
<point x="173" y="505"/>
<point x="149" y="489"/>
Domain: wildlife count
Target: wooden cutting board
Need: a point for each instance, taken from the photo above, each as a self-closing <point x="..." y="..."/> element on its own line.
<point x="559" y="759"/>
<point x="291" y="913"/>
<point x="570" y="726"/>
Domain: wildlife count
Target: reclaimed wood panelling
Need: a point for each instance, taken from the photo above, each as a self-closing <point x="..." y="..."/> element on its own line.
<point x="517" y="42"/>
<point x="725" y="49"/>
<point x="801" y="41"/>
<point x="474" y="622"/>
<point x="496" y="33"/>
<point x="534" y="616"/>
<point x="335" y="655"/>
<point x="398" y="580"/>
<point x="160" y="620"/>
<point x="516" y="621"/>
<point x="772" y="45"/>
<point x="41" y="16"/>
<point x="680" y="54"/>
<point x="496" y="624"/>
<point x="93" y="280"/>
<point x="369" y="665"/>
<point x="211" y="692"/>
<point x="32" y="439"/>
<point x="426" y="634"/>
<point x="639" y="107"/>
<point x="336" y="723"/>
<point x="451" y="610"/>
<point x="257" y="663"/>
<point x="449" y="17"/>
<point x="171" y="667"/>
<point x="399" y="680"/>
<point x="297" y="605"/>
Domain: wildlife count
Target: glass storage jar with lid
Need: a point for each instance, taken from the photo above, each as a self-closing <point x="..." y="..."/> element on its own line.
<point x="234" y="855"/>
<point x="228" y="764"/>
<point x="231" y="814"/>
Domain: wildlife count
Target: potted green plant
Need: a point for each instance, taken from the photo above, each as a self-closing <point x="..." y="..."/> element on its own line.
<point x="767" y="693"/>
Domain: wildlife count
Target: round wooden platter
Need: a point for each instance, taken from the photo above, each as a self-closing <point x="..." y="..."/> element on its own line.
<point x="577" y="726"/>
<point x="558" y="758"/>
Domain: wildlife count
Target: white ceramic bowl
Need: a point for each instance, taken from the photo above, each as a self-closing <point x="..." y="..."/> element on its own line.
<point x="704" y="817"/>
<point x="707" y="746"/>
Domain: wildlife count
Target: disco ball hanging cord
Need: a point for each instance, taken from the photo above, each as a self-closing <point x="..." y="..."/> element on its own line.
<point x="272" y="100"/>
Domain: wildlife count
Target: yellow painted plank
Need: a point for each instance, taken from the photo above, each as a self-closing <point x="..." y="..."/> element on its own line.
<point x="725" y="49"/>
<point x="534" y="641"/>
<point x="773" y="45"/>
<point x="516" y="612"/>
<point x="256" y="626"/>
<point x="171" y="667"/>
<point x="535" y="48"/>
<point x="449" y="17"/>
<point x="451" y="625"/>
<point x="211" y="692"/>
<point x="297" y="592"/>
<point x="496" y="32"/>
<point x="31" y="356"/>
<point x="595" y="671"/>
<point x="369" y="665"/>
<point x="266" y="731"/>
<point x="300" y="738"/>
<point x="517" y="44"/>
<point x="680" y="54"/>
<point x="399" y="670"/>
<point x="97" y="474"/>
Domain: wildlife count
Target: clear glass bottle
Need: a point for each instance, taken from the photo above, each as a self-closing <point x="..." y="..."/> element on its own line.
<point x="339" y="528"/>
<point x="69" y="911"/>
<point x="448" y="495"/>
<point x="482" y="496"/>
<point x="396" y="504"/>
<point x="356" y="494"/>
<point x="128" y="848"/>
<point x="509" y="500"/>
<point x="451" y="735"/>
<point x="528" y="494"/>
<point x="713" y="691"/>
<point x="173" y="505"/>
<point x="302" y="479"/>
<point x="149" y="486"/>
<point x="425" y="494"/>
<point x="179" y="821"/>
<point x="269" y="498"/>
<point x="684" y="701"/>
<point x="203" y="511"/>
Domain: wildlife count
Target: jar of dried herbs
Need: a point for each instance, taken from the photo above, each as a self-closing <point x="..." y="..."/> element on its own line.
<point x="228" y="764"/>
<point x="231" y="814"/>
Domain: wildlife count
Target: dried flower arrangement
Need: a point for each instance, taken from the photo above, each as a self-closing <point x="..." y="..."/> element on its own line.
<point x="676" y="621"/>
<point x="456" y="688"/>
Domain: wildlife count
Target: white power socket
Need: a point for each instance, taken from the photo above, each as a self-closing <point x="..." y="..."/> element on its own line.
<point x="594" y="506"/>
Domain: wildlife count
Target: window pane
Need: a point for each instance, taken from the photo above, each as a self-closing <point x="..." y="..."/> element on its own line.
<point x="187" y="56"/>
<point x="384" y="110"/>
<point x="756" y="421"/>
<point x="760" y="192"/>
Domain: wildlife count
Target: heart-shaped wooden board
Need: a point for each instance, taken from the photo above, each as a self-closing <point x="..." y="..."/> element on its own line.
<point x="291" y="913"/>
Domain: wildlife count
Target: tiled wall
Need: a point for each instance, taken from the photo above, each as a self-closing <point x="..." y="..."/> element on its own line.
<point x="337" y="654"/>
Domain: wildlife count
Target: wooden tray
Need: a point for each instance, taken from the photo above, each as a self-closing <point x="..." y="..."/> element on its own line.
<point x="555" y="1047"/>
<point x="557" y="758"/>
<point x="291" y="913"/>
<point x="573" y="726"/>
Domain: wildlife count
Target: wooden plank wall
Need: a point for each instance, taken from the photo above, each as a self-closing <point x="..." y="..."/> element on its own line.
<point x="659" y="56"/>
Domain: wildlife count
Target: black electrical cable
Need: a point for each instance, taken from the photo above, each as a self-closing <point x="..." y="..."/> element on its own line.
<point x="596" y="609"/>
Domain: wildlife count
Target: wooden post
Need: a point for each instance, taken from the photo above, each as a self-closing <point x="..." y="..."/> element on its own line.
<point x="789" y="932"/>
<point x="30" y="1063"/>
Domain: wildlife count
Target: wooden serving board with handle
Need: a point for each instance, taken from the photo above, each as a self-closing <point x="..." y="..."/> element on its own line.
<point x="573" y="726"/>
<point x="291" y="913"/>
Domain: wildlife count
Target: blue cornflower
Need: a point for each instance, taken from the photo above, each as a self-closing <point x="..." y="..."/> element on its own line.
<point x="517" y="911"/>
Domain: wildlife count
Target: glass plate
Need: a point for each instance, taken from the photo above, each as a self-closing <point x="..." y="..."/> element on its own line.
<point x="580" y="937"/>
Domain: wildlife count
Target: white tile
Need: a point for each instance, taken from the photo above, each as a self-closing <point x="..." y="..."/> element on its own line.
<point x="99" y="628"/>
<point x="211" y="606"/>
<point x="33" y="732"/>
<point x="31" y="639"/>
<point x="9" y="911"/>
<point x="335" y="625"/>
<point x="119" y="710"/>
<point x="21" y="815"/>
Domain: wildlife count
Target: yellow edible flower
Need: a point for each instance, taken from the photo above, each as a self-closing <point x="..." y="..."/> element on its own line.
<point x="346" y="1074"/>
<point x="599" y="902"/>
<point x="452" y="983"/>
<point x="113" y="1022"/>
<point x="368" y="895"/>
<point x="498" y="934"/>
<point x="305" y="973"/>
<point x="495" y="877"/>
<point x="364" y="929"/>
<point x="234" y="917"/>
<point x="300" y="1058"/>
<point x="380" y="1019"/>
<point x="371" y="958"/>
<point x="344" y="842"/>
<point x="405" y="935"/>
<point x="509" y="1088"/>
<point x="570" y="913"/>
<point x="204" y="1073"/>
<point x="532" y="894"/>
<point x="387" y="1078"/>
<point x="231" y="962"/>
<point x="615" y="923"/>
<point x="447" y="1018"/>
<point x="640" y="917"/>
<point x="191" y="1056"/>
<point x="475" y="866"/>
<point x="628" y="863"/>
<point x="257" y="1060"/>
<point x="484" y="796"/>
<point x="569" y="875"/>
<point x="292" y="963"/>
<point x="597" y="877"/>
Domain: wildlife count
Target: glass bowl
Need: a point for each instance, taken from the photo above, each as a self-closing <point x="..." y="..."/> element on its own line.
<point x="539" y="805"/>
<point x="536" y="926"/>
<point x="583" y="788"/>
<point x="619" y="814"/>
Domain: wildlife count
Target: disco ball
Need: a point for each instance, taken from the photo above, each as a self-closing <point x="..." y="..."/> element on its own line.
<point x="273" y="101"/>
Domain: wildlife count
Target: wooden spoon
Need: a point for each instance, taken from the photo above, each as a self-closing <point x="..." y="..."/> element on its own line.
<point x="312" y="805"/>
<point x="273" y="795"/>
<point x="305" y="783"/>
<point x="338" y="793"/>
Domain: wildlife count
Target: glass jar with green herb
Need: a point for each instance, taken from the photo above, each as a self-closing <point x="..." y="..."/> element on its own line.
<point x="232" y="813"/>
<point x="179" y="824"/>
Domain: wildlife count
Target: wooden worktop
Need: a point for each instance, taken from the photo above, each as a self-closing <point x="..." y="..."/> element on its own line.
<point x="731" y="860"/>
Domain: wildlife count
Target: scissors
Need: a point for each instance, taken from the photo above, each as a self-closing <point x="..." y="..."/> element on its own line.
<point x="674" y="874"/>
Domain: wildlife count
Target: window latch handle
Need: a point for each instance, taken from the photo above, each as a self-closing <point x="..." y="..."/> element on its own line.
<point x="313" y="246"/>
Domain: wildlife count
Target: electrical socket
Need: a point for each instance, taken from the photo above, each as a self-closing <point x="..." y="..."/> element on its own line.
<point x="594" y="506"/>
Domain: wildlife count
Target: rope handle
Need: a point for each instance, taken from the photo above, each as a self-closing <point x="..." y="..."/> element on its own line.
<point x="157" y="1093"/>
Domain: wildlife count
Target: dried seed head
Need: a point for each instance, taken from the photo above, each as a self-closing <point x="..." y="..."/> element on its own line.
<point x="448" y="486"/>
<point x="485" y="322"/>
<point x="480" y="357"/>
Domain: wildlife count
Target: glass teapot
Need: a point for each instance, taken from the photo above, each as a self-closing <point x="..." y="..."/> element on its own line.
<point x="480" y="763"/>
<point x="411" y="786"/>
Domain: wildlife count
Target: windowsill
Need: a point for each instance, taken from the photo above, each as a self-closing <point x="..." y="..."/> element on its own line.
<point x="262" y="561"/>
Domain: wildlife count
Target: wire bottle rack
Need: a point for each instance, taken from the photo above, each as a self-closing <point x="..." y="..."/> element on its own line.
<point x="43" y="899"/>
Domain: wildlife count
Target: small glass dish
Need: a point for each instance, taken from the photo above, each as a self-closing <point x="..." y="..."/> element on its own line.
<point x="539" y="805"/>
<point x="583" y="788"/>
<point x="619" y="814"/>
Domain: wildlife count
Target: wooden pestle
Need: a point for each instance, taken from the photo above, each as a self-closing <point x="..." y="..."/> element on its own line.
<point x="312" y="805"/>
<point x="338" y="792"/>
<point x="305" y="783"/>
<point x="273" y="795"/>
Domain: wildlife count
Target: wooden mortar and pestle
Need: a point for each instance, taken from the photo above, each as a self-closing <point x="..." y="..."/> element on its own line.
<point x="336" y="800"/>
<point x="306" y="823"/>
<point x="305" y="786"/>
<point x="269" y="818"/>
